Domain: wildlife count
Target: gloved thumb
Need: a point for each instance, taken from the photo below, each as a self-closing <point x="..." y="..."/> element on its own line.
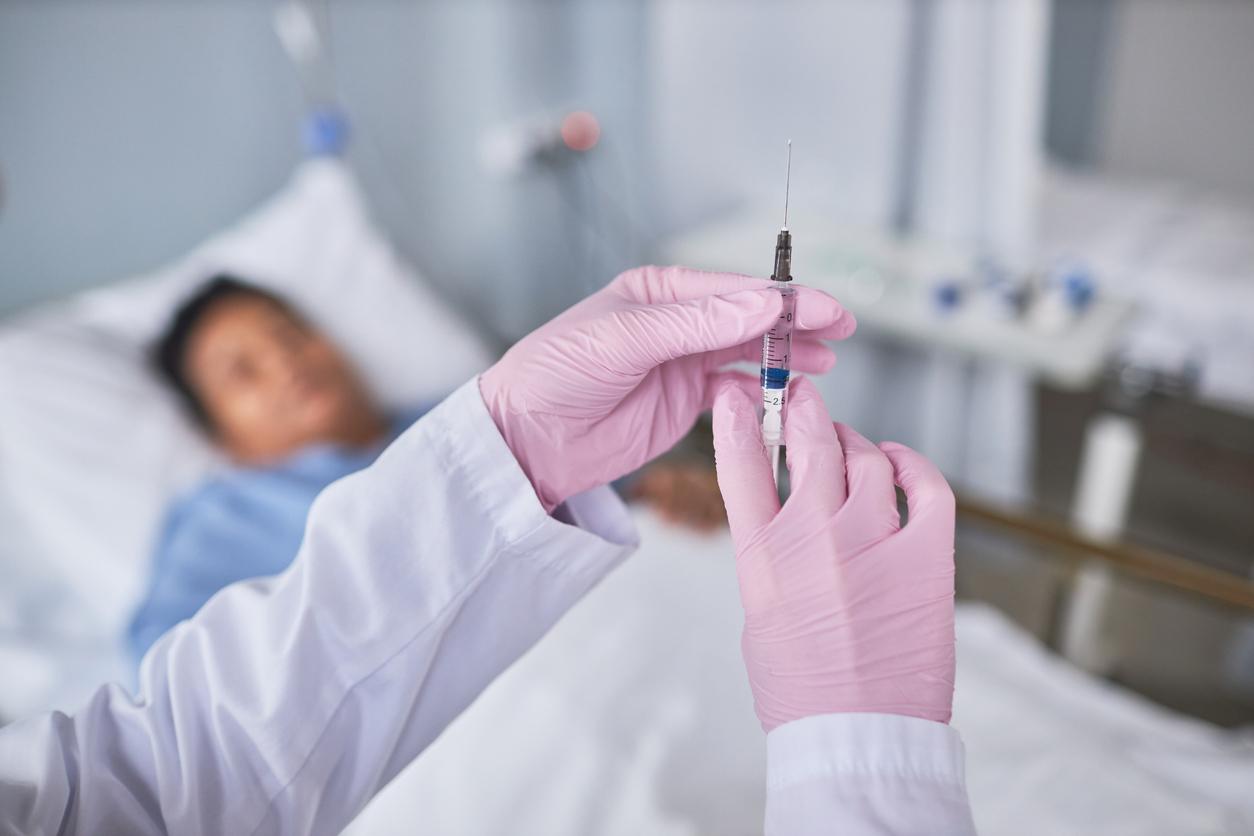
<point x="744" y="469"/>
<point x="816" y="462"/>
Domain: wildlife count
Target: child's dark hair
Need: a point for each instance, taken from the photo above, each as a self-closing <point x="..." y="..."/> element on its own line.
<point x="170" y="350"/>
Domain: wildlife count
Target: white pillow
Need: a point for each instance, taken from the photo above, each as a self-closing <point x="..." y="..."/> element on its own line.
<point x="93" y="445"/>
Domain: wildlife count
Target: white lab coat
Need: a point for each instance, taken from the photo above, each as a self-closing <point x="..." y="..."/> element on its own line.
<point x="286" y="703"/>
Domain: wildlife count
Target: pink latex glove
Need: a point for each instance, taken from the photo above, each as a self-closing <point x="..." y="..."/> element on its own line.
<point x="620" y="377"/>
<point x="846" y="610"/>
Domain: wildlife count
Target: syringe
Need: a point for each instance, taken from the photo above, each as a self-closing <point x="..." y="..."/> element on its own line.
<point x="777" y="343"/>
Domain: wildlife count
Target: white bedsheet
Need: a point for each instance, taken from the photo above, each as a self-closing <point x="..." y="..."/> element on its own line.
<point x="1052" y="750"/>
<point x="633" y="716"/>
<point x="54" y="651"/>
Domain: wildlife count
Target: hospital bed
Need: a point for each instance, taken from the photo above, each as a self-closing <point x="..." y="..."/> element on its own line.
<point x="633" y="715"/>
<point x="93" y="445"/>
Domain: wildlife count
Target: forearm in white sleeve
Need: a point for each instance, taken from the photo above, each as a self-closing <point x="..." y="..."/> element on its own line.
<point x="285" y="704"/>
<point x="866" y="775"/>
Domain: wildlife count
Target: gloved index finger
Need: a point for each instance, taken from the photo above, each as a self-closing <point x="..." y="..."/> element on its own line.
<point x="819" y="314"/>
<point x="870" y="479"/>
<point x="816" y="461"/>
<point x="651" y="285"/>
<point x="657" y="333"/>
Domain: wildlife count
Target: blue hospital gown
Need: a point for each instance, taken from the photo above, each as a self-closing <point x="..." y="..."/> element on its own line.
<point x="247" y="522"/>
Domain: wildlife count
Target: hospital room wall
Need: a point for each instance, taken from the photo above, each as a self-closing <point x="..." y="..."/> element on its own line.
<point x="724" y="98"/>
<point x="157" y="124"/>
<point x="1179" y="100"/>
<point x="133" y="130"/>
<point x="427" y="83"/>
<point x="119" y="121"/>
<point x="1155" y="89"/>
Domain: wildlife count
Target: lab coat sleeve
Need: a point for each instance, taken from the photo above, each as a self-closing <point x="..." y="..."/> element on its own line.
<point x="866" y="775"/>
<point x="286" y="703"/>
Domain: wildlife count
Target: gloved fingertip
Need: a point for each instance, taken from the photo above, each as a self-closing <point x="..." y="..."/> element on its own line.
<point x="807" y="414"/>
<point x="802" y="388"/>
<point x="841" y="329"/>
<point x="716" y="381"/>
<point x="844" y="327"/>
<point x="851" y="437"/>
<point x="821" y="361"/>
<point x="734" y="410"/>
<point x="817" y="309"/>
<point x="848" y="325"/>
<point x="809" y="356"/>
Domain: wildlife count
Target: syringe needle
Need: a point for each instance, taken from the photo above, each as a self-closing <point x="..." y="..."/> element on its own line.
<point x="787" y="181"/>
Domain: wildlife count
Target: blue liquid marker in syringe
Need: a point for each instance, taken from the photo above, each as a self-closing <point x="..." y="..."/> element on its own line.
<point x="777" y="342"/>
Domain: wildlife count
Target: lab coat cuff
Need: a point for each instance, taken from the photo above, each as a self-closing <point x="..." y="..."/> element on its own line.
<point x="864" y="747"/>
<point x="596" y="517"/>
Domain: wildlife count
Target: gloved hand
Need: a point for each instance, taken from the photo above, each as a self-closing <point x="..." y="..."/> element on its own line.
<point x="846" y="610"/>
<point x="620" y="377"/>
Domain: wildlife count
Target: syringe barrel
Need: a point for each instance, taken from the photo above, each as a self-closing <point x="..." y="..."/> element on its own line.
<point x="777" y="342"/>
<point x="776" y="367"/>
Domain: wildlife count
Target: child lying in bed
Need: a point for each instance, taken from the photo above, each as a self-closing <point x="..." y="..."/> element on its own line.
<point x="282" y="400"/>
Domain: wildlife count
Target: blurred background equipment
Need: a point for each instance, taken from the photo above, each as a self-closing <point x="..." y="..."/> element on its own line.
<point x="1041" y="212"/>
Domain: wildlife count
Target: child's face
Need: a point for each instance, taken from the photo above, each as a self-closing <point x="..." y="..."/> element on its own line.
<point x="270" y="382"/>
